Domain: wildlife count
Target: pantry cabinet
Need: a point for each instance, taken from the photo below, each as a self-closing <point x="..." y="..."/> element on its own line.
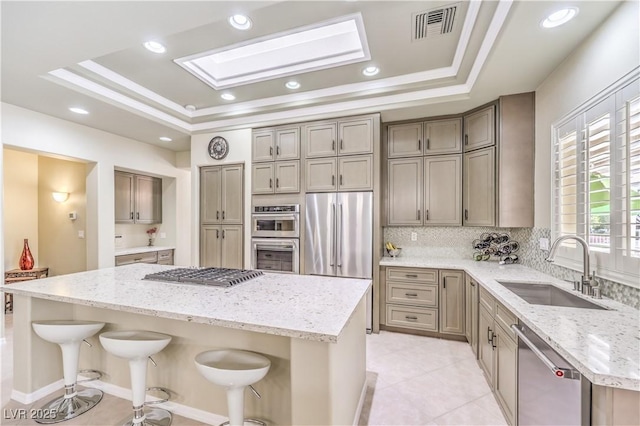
<point x="221" y="194"/>
<point x="221" y="246"/>
<point x="138" y="198"/>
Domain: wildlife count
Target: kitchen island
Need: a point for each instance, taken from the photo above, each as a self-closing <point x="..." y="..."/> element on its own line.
<point x="311" y="328"/>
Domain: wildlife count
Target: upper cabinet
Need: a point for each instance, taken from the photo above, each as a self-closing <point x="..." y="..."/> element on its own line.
<point x="273" y="144"/>
<point x="479" y="129"/>
<point x="138" y="198"/>
<point x="342" y="137"/>
<point x="425" y="138"/>
<point x="404" y="140"/>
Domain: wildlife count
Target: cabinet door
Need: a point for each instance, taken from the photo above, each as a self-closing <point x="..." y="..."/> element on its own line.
<point x="443" y="136"/>
<point x="262" y="178"/>
<point x="405" y="191"/>
<point x="321" y="175"/>
<point x="404" y="140"/>
<point x="356" y="136"/>
<point x="123" y="190"/>
<point x="355" y="173"/>
<point x="232" y="194"/>
<point x="505" y="380"/>
<point x="452" y="302"/>
<point x="479" y="129"/>
<point x="287" y="176"/>
<point x="471" y="314"/>
<point x="210" y="246"/>
<point x="443" y="190"/>
<point x="320" y="139"/>
<point x="232" y="247"/>
<point x="478" y="197"/>
<point x="210" y="202"/>
<point x="263" y="145"/>
<point x="148" y="199"/>
<point x="485" y="344"/>
<point x="288" y="143"/>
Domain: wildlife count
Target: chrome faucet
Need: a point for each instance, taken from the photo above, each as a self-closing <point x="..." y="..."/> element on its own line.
<point x="586" y="278"/>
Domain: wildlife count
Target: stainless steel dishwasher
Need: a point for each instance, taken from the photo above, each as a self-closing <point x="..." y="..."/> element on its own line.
<point x="550" y="390"/>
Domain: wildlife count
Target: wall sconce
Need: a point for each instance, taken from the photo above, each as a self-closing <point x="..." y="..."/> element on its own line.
<point x="60" y="197"/>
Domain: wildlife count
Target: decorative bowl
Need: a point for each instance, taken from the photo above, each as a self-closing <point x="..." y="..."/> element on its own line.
<point x="395" y="252"/>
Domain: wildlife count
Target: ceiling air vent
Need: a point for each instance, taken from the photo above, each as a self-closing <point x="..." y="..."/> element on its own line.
<point x="433" y="22"/>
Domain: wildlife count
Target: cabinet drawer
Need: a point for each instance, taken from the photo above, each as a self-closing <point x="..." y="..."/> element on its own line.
<point x="505" y="318"/>
<point x="427" y="276"/>
<point x="408" y="317"/>
<point x="412" y="294"/>
<point x="165" y="254"/>
<point x="487" y="300"/>
<point x="275" y="265"/>
<point x="128" y="259"/>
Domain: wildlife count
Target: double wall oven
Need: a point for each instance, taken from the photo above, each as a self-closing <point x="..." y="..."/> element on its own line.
<point x="275" y="242"/>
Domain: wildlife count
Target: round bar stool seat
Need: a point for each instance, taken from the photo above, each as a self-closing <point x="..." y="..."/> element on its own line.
<point x="137" y="346"/>
<point x="68" y="334"/>
<point x="234" y="370"/>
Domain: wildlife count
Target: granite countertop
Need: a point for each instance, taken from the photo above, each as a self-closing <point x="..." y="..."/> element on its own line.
<point x="143" y="249"/>
<point x="604" y="345"/>
<point x="300" y="306"/>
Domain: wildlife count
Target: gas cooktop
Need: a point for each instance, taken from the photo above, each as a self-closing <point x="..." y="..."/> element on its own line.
<point x="219" y="277"/>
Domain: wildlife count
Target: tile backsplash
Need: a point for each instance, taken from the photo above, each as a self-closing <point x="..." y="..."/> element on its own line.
<point x="443" y="242"/>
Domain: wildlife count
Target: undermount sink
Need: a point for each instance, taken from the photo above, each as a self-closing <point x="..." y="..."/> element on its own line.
<point x="547" y="294"/>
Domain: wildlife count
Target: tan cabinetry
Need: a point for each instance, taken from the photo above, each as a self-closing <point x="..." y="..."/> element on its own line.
<point x="221" y="246"/>
<point x="276" y="178"/>
<point x="138" y="198"/>
<point x="479" y="128"/>
<point x="424" y="191"/>
<point x="423" y="299"/>
<point x="434" y="137"/>
<point x="404" y="140"/>
<point x="451" y="302"/>
<point x="221" y="216"/>
<point x="498" y="352"/>
<point x="352" y="173"/>
<point x="274" y="144"/>
<point x="320" y="139"/>
<point x="471" y="313"/>
<point x="356" y="136"/>
<point x="221" y="194"/>
<point x="161" y="257"/>
<point x="479" y="193"/>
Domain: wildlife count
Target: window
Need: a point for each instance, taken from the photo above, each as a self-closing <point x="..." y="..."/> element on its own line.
<point x="596" y="183"/>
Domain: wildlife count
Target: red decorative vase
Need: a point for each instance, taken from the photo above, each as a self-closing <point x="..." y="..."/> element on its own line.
<point x="26" y="260"/>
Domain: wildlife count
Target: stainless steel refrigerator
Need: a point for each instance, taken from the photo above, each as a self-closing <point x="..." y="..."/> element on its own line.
<point x="339" y="236"/>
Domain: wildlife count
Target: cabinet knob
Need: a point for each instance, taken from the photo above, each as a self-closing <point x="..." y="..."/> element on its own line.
<point x="340" y="180"/>
<point x="428" y="143"/>
<point x="277" y="182"/>
<point x="333" y="180"/>
<point x="418" y="214"/>
<point x="466" y="214"/>
<point x="333" y="145"/>
<point x="217" y="214"/>
<point x="466" y="139"/>
<point x="217" y="233"/>
<point x="222" y="219"/>
<point x="270" y="183"/>
<point x="223" y="233"/>
<point x="411" y="294"/>
<point x="277" y="150"/>
<point x="341" y="144"/>
<point x="426" y="214"/>
<point x="131" y="215"/>
<point x="270" y="151"/>
<point x="138" y="215"/>
<point x="419" y="145"/>
<point x="411" y="318"/>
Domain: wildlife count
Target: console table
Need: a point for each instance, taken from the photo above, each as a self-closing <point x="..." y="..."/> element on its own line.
<point x="17" y="275"/>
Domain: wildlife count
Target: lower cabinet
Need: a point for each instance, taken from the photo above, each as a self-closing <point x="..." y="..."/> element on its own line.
<point x="498" y="353"/>
<point x="423" y="299"/>
<point x="221" y="246"/>
<point x="161" y="257"/>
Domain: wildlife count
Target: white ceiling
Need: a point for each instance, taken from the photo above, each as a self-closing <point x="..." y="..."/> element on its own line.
<point x="90" y="54"/>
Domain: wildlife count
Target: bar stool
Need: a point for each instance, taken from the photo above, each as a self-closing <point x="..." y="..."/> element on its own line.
<point x="68" y="334"/>
<point x="234" y="370"/>
<point x="137" y="347"/>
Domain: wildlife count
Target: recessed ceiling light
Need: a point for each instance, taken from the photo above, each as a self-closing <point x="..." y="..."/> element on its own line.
<point x="369" y="71"/>
<point x="559" y="17"/>
<point x="155" y="47"/>
<point x="227" y="96"/>
<point x="165" y="139"/>
<point x="240" y="22"/>
<point x="292" y="85"/>
<point x="190" y="107"/>
<point x="79" y="110"/>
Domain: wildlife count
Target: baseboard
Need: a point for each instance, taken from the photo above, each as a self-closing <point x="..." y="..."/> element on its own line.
<point x="30" y="398"/>
<point x="179" y="409"/>
<point x="363" y="395"/>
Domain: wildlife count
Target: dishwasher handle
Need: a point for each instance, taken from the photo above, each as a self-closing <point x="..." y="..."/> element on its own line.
<point x="559" y="372"/>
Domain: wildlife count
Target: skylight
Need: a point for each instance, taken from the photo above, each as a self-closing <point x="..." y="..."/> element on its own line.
<point x="325" y="45"/>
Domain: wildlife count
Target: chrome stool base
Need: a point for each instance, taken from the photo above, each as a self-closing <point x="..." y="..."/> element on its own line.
<point x="153" y="417"/>
<point x="61" y="409"/>
<point x="251" y="421"/>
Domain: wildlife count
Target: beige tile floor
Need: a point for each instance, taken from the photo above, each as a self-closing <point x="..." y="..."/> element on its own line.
<point x="412" y="380"/>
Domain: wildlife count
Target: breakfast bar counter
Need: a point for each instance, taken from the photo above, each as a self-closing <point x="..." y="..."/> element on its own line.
<point x="311" y="328"/>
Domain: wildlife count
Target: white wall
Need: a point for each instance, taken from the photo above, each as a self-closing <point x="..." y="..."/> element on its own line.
<point x="611" y="52"/>
<point x="104" y="151"/>
<point x="239" y="152"/>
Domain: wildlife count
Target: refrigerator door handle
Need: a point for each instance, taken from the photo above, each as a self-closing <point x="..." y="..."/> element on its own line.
<point x="341" y="238"/>
<point x="333" y="233"/>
